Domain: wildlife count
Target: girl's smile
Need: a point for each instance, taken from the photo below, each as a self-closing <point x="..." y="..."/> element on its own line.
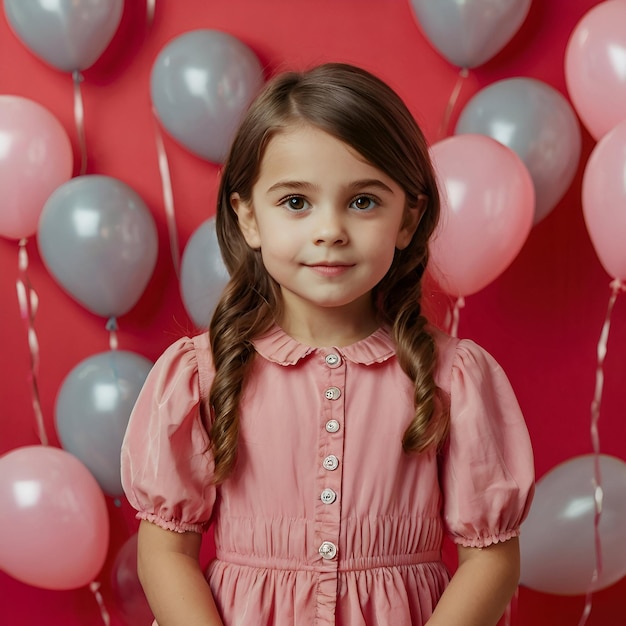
<point x="327" y="223"/>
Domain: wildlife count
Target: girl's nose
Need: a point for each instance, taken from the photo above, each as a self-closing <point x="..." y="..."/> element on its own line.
<point x="330" y="228"/>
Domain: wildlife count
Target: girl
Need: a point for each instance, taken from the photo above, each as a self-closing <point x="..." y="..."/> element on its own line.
<point x="325" y="429"/>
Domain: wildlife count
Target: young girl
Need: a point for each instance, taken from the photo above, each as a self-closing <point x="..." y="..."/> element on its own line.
<point x="325" y="429"/>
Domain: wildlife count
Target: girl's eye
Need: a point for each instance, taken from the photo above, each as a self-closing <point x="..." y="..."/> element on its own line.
<point x="362" y="203"/>
<point x="295" y="203"/>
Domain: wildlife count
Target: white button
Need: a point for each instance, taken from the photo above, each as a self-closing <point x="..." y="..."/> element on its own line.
<point x="332" y="426"/>
<point x="333" y="360"/>
<point x="331" y="462"/>
<point x="328" y="496"/>
<point x="332" y="393"/>
<point x="328" y="550"/>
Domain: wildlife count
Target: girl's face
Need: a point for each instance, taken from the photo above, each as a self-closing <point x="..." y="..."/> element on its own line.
<point x="327" y="222"/>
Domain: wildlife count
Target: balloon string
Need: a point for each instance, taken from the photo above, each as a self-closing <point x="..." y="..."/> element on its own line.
<point x="616" y="287"/>
<point x="29" y="303"/>
<point x="150" y="10"/>
<point x="456" y="312"/>
<point x="79" y="117"/>
<point x="94" y="587"/>
<point x="168" y="198"/>
<point x="445" y="122"/>
<point x="112" y="327"/>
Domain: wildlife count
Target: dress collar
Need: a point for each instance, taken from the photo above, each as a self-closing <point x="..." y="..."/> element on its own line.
<point x="277" y="346"/>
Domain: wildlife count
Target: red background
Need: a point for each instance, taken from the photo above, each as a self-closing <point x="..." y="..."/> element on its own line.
<point x="541" y="318"/>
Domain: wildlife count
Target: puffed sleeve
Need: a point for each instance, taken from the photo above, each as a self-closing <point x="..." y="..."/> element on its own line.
<point x="487" y="471"/>
<point x="167" y="466"/>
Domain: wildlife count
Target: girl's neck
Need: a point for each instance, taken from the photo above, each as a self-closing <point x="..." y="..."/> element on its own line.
<point x="328" y="327"/>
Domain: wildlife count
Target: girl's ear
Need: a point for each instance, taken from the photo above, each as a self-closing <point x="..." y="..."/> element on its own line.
<point x="247" y="220"/>
<point x="410" y="222"/>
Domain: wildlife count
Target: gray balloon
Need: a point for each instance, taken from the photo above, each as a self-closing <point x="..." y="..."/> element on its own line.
<point x="203" y="274"/>
<point x="68" y="34"/>
<point x="99" y="241"/>
<point x="201" y="84"/>
<point x="92" y="410"/>
<point x="538" y="124"/>
<point x="469" y="32"/>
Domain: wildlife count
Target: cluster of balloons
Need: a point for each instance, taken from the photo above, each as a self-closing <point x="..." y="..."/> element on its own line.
<point x="98" y="240"/>
<point x="566" y="549"/>
<point x="514" y="153"/>
<point x="483" y="227"/>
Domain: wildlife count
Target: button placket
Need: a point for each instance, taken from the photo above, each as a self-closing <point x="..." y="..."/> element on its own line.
<point x="329" y="477"/>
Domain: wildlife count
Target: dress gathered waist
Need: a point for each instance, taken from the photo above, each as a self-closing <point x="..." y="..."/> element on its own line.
<point x="344" y="565"/>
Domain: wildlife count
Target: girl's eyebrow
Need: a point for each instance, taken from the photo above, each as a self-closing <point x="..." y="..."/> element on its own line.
<point x="291" y="185"/>
<point x="357" y="185"/>
<point x="370" y="182"/>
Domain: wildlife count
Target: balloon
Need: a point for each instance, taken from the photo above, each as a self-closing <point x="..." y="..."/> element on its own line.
<point x="604" y="200"/>
<point x="99" y="240"/>
<point x="557" y="541"/>
<point x="203" y="274"/>
<point x="54" y="525"/>
<point x="595" y="67"/>
<point x="68" y="34"/>
<point x="92" y="411"/>
<point x="469" y="32"/>
<point x="538" y="124"/>
<point x="486" y="214"/>
<point x="130" y="600"/>
<point x="201" y="84"/>
<point x="35" y="158"/>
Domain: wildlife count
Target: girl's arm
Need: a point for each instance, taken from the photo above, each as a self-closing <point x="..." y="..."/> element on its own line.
<point x="481" y="587"/>
<point x="170" y="573"/>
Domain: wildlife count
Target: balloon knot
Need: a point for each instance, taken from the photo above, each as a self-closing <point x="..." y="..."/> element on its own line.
<point x="111" y="324"/>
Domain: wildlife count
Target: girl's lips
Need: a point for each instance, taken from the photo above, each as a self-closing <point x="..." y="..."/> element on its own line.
<point x="330" y="270"/>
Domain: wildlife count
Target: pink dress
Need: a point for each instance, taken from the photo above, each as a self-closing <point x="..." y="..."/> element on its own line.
<point x="325" y="519"/>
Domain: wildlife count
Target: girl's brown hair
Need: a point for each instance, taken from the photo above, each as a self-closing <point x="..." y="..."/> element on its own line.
<point x="359" y="109"/>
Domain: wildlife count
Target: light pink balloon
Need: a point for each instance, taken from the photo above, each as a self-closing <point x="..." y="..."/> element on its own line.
<point x="487" y="209"/>
<point x="54" y="525"/>
<point x="604" y="200"/>
<point x="557" y="541"/>
<point x="595" y="67"/>
<point x="35" y="158"/>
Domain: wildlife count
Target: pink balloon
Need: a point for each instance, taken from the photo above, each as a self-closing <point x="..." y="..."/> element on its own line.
<point x="54" y="525"/>
<point x="130" y="599"/>
<point x="595" y="67"/>
<point x="488" y="205"/>
<point x="604" y="200"/>
<point x="557" y="542"/>
<point x="35" y="158"/>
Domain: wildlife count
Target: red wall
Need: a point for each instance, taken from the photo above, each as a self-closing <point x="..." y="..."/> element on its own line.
<point x="541" y="318"/>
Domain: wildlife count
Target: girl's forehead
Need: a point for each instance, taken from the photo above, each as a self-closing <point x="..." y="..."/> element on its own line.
<point x="307" y="156"/>
<point x="300" y="140"/>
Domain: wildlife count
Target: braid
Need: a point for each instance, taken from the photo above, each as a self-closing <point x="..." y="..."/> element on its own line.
<point x="239" y="316"/>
